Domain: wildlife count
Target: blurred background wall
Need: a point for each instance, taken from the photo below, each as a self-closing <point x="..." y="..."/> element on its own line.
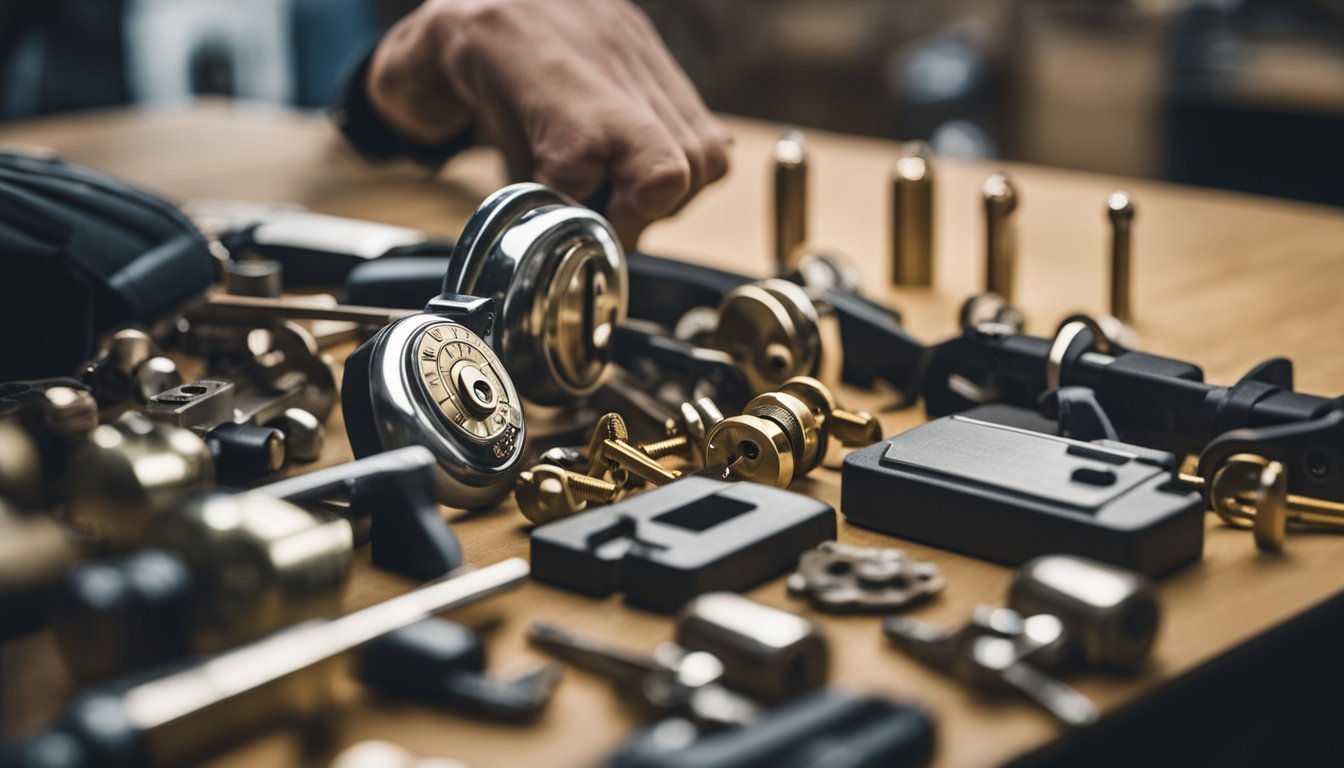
<point x="1239" y="94"/>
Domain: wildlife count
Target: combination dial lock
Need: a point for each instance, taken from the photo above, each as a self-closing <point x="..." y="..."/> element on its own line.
<point x="533" y="291"/>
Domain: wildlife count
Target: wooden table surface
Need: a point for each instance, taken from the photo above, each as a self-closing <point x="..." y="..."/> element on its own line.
<point x="1220" y="279"/>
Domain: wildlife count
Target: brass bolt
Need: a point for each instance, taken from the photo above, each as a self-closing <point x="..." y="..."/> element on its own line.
<point x="610" y="453"/>
<point x="1251" y="491"/>
<point x="547" y="492"/>
<point x="634" y="462"/>
<point x="686" y="432"/>
<point x="677" y="445"/>
<point x="853" y="429"/>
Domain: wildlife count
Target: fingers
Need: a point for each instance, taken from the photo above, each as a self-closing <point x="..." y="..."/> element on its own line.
<point x="581" y="94"/>
<point x="650" y="175"/>
<point x="706" y="139"/>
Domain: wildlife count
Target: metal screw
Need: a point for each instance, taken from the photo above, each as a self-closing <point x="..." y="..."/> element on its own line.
<point x="1120" y="212"/>
<point x="912" y="216"/>
<point x="1251" y="491"/>
<point x="1000" y="200"/>
<point x="686" y="432"/>
<point x="546" y="492"/>
<point x="790" y="162"/>
<point x="610" y="453"/>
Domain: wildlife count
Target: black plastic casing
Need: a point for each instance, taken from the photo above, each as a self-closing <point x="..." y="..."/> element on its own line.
<point x="1008" y="495"/>
<point x="665" y="546"/>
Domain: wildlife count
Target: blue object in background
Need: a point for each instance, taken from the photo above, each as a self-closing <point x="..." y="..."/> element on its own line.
<point x="62" y="55"/>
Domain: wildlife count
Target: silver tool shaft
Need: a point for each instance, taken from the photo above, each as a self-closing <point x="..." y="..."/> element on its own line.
<point x="912" y="216"/>
<point x="220" y="680"/>
<point x="230" y="308"/>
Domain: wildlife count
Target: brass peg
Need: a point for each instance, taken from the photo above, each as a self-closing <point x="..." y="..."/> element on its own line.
<point x="687" y="431"/>
<point x="790" y="222"/>
<point x="1251" y="491"/>
<point x="635" y="463"/>
<point x="912" y="216"/>
<point x="610" y="454"/>
<point x="852" y="428"/>
<point x="1000" y="201"/>
<point x="547" y="492"/>
<point x="1120" y="213"/>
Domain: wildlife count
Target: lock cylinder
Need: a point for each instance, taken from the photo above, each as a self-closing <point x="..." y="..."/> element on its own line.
<point x="557" y="275"/>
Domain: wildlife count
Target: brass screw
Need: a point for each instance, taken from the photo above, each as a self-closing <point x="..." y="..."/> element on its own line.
<point x="852" y="428"/>
<point x="1251" y="491"/>
<point x="610" y="453"/>
<point x="686" y="432"/>
<point x="547" y="492"/>
<point x="676" y="445"/>
<point x="1000" y="200"/>
<point x="630" y="459"/>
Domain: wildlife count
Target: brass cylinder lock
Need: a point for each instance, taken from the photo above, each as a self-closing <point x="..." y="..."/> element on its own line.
<point x="784" y="434"/>
<point x="557" y="275"/>
<point x="430" y="380"/>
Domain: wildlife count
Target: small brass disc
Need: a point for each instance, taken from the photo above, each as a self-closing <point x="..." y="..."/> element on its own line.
<point x="464" y="378"/>
<point x="756" y="330"/>
<point x="752" y="449"/>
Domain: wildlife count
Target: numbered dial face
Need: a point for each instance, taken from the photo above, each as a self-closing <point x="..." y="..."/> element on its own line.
<point x="469" y="386"/>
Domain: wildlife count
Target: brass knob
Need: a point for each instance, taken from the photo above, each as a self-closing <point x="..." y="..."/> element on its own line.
<point x="785" y="434"/>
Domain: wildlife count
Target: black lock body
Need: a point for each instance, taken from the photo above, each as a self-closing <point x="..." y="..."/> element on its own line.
<point x="1008" y="495"/>
<point x="665" y="546"/>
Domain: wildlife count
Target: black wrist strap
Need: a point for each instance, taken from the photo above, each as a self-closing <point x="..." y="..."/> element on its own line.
<point x="371" y="136"/>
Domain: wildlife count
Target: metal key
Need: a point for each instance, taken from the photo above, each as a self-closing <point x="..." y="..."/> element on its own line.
<point x="1003" y="660"/>
<point x="999" y="650"/>
<point x="671" y="681"/>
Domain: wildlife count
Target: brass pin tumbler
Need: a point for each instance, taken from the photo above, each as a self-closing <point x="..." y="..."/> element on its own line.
<point x="1000" y="200"/>
<point x="912" y="216"/>
<point x="790" y="161"/>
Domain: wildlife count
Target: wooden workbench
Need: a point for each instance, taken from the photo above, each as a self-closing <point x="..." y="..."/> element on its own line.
<point x="1222" y="280"/>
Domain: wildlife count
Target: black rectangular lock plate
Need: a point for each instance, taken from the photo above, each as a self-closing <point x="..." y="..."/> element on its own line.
<point x="1008" y="495"/>
<point x="696" y="535"/>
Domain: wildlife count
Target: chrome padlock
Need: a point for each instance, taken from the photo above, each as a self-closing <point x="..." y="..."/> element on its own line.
<point x="533" y="293"/>
<point x="557" y="275"/>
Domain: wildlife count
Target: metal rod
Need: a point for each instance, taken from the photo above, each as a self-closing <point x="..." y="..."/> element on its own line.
<point x="221" y="679"/>
<point x="227" y="307"/>
<point x="912" y="228"/>
<point x="1120" y="212"/>
<point x="1000" y="200"/>
<point x="790" y="161"/>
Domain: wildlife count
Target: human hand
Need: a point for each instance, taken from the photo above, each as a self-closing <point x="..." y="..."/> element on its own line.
<point x="576" y="93"/>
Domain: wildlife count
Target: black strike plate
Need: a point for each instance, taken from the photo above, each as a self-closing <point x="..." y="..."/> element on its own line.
<point x="696" y="535"/>
<point x="1008" y="495"/>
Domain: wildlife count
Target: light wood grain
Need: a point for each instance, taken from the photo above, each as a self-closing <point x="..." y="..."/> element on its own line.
<point x="1223" y="280"/>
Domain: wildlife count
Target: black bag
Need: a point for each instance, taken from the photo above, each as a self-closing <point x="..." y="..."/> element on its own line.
<point x="82" y="253"/>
